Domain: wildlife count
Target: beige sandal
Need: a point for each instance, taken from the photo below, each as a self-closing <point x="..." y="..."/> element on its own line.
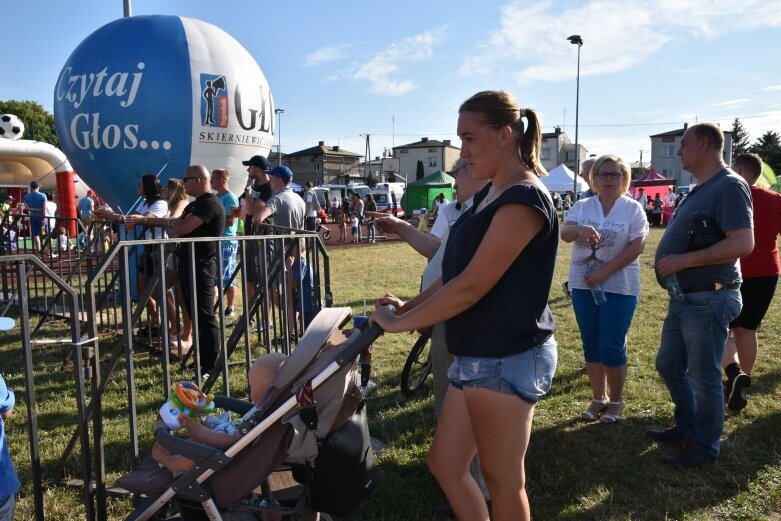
<point x="611" y="418"/>
<point x="594" y="410"/>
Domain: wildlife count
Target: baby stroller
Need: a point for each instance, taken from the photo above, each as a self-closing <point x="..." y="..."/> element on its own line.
<point x="312" y="418"/>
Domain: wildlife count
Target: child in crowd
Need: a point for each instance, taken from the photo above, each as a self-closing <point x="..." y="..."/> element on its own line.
<point x="260" y="376"/>
<point x="63" y="242"/>
<point x="354" y="227"/>
<point x="342" y="226"/>
<point x="303" y="290"/>
<point x="423" y="221"/>
<point x="9" y="482"/>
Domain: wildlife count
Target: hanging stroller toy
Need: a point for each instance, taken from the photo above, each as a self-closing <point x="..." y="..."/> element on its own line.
<point x="187" y="399"/>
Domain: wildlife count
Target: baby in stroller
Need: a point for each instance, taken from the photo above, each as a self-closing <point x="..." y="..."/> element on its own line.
<point x="259" y="377"/>
<point x="312" y="417"/>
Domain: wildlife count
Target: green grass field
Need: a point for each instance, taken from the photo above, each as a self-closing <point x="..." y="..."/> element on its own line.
<point x="575" y="470"/>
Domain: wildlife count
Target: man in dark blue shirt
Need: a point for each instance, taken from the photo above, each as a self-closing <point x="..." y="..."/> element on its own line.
<point x="697" y="262"/>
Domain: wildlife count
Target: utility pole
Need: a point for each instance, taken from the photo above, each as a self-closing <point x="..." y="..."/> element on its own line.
<point x="368" y="152"/>
<point x="279" y="113"/>
<point x="642" y="172"/>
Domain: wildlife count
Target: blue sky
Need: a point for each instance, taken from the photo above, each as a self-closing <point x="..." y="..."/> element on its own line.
<point x="345" y="68"/>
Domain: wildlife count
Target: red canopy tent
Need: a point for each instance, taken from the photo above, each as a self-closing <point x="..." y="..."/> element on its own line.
<point x="652" y="178"/>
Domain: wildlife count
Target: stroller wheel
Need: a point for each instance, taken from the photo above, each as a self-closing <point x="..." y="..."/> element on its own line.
<point x="418" y="365"/>
<point x="327" y="235"/>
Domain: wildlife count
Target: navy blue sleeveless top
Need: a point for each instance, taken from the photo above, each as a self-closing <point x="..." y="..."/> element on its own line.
<point x="514" y="315"/>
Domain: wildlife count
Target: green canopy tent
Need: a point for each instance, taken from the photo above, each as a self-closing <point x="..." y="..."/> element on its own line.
<point x="421" y="193"/>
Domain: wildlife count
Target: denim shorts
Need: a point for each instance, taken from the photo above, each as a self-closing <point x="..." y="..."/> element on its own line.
<point x="527" y="375"/>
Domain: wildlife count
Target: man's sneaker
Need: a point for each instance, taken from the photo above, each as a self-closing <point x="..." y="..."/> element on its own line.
<point x="669" y="435"/>
<point x="689" y="458"/>
<point x="738" y="392"/>
<point x="228" y="312"/>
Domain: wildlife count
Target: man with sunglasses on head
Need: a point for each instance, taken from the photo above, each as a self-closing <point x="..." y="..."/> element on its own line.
<point x="204" y="217"/>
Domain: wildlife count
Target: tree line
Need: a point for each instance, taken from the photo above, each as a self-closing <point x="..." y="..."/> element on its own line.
<point x="767" y="146"/>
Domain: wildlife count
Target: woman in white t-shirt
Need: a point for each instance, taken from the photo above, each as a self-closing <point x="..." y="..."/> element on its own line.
<point x="608" y="231"/>
<point x="152" y="206"/>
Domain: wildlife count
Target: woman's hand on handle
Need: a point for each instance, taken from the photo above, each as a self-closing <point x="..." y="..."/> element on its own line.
<point x="390" y="299"/>
<point x="386" y="318"/>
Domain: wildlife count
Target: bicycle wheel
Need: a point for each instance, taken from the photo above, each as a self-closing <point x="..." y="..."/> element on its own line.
<point x="327" y="235"/>
<point x="418" y="365"/>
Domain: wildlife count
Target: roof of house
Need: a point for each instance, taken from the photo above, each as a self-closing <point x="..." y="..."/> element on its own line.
<point x="428" y="143"/>
<point x="323" y="149"/>
<point x="679" y="132"/>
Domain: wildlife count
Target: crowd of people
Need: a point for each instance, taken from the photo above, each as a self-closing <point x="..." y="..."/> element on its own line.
<point x="492" y="269"/>
<point x="485" y="290"/>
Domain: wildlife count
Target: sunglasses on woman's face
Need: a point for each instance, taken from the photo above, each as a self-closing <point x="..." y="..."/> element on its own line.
<point x="611" y="175"/>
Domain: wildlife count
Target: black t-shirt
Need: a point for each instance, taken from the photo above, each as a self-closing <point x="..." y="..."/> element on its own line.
<point x="514" y="315"/>
<point x="264" y="193"/>
<point x="209" y="208"/>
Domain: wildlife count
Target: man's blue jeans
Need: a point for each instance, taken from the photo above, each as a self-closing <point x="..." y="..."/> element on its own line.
<point x="689" y="359"/>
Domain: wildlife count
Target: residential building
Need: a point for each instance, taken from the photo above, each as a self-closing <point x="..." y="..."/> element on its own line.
<point x="557" y="149"/>
<point x="373" y="169"/>
<point x="321" y="164"/>
<point x="435" y="155"/>
<point x="664" y="154"/>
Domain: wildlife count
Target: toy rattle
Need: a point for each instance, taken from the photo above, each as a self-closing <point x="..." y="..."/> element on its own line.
<point x="187" y="399"/>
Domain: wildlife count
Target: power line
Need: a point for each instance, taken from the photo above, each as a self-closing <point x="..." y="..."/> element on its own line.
<point x="586" y="125"/>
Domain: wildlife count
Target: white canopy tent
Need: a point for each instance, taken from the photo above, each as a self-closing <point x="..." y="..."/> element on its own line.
<point x="560" y="179"/>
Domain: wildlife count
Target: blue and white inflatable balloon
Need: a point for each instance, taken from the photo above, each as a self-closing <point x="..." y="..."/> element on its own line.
<point x="157" y="94"/>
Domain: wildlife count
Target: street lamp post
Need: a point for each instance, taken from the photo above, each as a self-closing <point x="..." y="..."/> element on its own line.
<point x="279" y="113"/>
<point x="575" y="39"/>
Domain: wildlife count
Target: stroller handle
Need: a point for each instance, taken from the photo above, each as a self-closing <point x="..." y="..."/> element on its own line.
<point x="357" y="346"/>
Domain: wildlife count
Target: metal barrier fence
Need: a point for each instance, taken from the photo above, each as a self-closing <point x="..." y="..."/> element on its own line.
<point x="281" y="281"/>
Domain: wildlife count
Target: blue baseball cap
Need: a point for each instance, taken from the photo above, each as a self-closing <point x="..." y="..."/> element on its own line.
<point x="281" y="172"/>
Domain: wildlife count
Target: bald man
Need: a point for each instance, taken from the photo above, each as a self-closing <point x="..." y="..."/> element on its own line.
<point x="585" y="173"/>
<point x="204" y="217"/>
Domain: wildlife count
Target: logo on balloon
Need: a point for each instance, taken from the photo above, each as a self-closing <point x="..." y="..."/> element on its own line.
<point x="212" y="99"/>
<point x="138" y="96"/>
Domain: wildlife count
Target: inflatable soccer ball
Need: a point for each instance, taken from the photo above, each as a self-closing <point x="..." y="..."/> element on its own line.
<point x="11" y="127"/>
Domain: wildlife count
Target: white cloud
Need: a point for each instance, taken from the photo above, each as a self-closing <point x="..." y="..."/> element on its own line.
<point x="325" y="54"/>
<point x="771" y="88"/>
<point x="731" y="102"/>
<point x="383" y="70"/>
<point x="531" y="35"/>
<point x="758" y="125"/>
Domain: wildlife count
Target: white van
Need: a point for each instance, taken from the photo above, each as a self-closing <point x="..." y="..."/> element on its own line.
<point x="337" y="193"/>
<point x="388" y="196"/>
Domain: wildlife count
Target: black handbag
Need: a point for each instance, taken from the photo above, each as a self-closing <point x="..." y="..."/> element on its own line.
<point x="344" y="471"/>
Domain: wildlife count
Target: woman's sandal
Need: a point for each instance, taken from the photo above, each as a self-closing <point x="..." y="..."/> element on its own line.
<point x="608" y="417"/>
<point x="594" y="409"/>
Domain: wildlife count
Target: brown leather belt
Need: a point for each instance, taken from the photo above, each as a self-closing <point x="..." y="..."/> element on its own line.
<point x="711" y="286"/>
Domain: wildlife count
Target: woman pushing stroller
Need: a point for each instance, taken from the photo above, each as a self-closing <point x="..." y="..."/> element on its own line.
<point x="497" y="273"/>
